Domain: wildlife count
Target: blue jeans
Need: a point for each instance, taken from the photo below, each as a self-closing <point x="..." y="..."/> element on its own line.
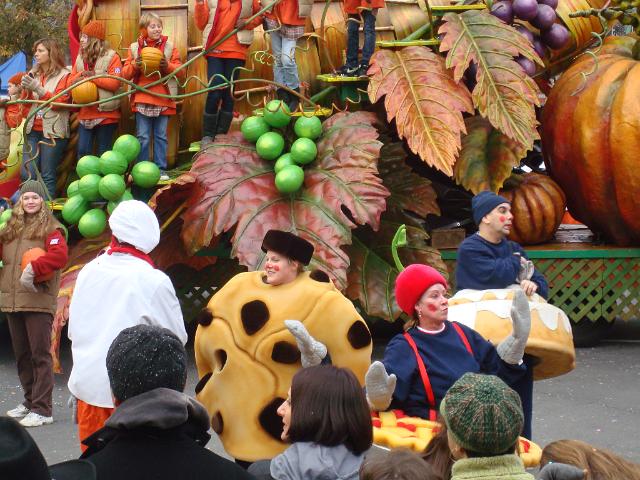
<point x="146" y="127"/>
<point x="221" y="67"/>
<point x="45" y="154"/>
<point x="369" y="27"/>
<point x="285" y="69"/>
<point x="103" y="136"/>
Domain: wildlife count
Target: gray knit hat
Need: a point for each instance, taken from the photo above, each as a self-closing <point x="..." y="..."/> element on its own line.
<point x="33" y="186"/>
<point x="144" y="358"/>
<point x="483" y="414"/>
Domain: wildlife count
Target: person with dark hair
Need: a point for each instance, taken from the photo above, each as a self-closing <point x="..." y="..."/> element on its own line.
<point x="438" y="455"/>
<point x="156" y="431"/>
<point x="21" y="459"/>
<point x="29" y="296"/>
<point x="421" y="364"/>
<point x="120" y="288"/>
<point x="397" y="464"/>
<point x="484" y="419"/>
<point x="327" y="421"/>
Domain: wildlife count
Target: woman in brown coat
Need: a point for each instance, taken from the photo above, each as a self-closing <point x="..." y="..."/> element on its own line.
<point x="29" y="301"/>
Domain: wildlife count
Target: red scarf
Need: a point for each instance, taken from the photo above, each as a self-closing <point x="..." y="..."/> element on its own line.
<point x="147" y="42"/>
<point x="117" y="247"/>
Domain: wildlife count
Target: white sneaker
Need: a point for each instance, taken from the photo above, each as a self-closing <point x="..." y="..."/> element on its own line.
<point x="18" y="412"/>
<point x="34" y="419"/>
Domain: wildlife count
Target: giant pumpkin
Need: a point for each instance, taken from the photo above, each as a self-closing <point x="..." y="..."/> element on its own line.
<point x="591" y="139"/>
<point x="537" y="204"/>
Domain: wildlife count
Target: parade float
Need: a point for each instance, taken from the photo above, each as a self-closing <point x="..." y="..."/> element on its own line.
<point x="458" y="98"/>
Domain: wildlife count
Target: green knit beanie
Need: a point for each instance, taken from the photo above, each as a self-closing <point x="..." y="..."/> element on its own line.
<point x="33" y="186"/>
<point x="483" y="414"/>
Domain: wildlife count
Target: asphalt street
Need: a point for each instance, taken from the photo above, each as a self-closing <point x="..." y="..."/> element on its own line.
<point x="599" y="402"/>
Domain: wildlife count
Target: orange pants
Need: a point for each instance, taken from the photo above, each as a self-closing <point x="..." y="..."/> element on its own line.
<point x="90" y="420"/>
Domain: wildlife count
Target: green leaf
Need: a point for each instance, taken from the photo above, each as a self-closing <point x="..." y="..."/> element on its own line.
<point x="487" y="157"/>
<point x="504" y="93"/>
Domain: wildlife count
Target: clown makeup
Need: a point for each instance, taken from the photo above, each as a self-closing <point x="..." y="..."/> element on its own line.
<point x="433" y="307"/>
<point x="499" y="221"/>
<point x="280" y="269"/>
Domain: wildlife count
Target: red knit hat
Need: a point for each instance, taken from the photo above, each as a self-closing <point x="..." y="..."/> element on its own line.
<point x="412" y="282"/>
<point x="17" y="78"/>
<point x="95" y="29"/>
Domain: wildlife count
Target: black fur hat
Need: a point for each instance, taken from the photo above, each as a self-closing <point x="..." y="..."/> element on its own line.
<point x="289" y="245"/>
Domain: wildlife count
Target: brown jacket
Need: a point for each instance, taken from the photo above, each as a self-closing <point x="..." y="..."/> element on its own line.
<point x="13" y="296"/>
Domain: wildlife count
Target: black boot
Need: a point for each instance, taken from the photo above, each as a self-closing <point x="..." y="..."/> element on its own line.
<point x="282" y="94"/>
<point x="224" y="121"/>
<point x="209" y="129"/>
<point x="293" y="101"/>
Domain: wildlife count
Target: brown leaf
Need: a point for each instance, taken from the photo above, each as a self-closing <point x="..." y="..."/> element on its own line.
<point x="424" y="99"/>
<point x="487" y="157"/>
<point x="504" y="93"/>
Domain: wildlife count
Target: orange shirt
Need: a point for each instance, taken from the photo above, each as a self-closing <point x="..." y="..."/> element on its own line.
<point x="227" y="15"/>
<point x="109" y="84"/>
<point x="352" y="7"/>
<point x="66" y="98"/>
<point x="286" y="12"/>
<point x="14" y="114"/>
<point x="131" y="72"/>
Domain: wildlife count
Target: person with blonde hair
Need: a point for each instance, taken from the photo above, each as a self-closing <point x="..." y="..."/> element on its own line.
<point x="97" y="122"/>
<point x="153" y="112"/>
<point x="29" y="297"/>
<point x="48" y="130"/>
<point x="599" y="464"/>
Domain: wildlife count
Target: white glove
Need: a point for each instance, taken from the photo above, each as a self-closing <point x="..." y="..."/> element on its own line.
<point x="27" y="277"/>
<point x="560" y="471"/>
<point x="33" y="84"/>
<point x="312" y="352"/>
<point x="511" y="349"/>
<point x="526" y="270"/>
<point x="380" y="386"/>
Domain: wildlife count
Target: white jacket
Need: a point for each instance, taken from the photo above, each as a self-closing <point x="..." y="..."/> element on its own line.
<point x="114" y="292"/>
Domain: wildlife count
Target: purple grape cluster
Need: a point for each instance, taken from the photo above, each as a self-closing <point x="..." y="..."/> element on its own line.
<point x="540" y="14"/>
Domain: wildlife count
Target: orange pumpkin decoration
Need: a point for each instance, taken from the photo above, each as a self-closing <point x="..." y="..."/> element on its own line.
<point x="31" y="255"/>
<point x="86" y="92"/>
<point x="590" y="139"/>
<point x="151" y="57"/>
<point x="537" y="204"/>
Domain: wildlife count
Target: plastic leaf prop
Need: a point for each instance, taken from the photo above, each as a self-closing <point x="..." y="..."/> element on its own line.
<point x="425" y="101"/>
<point x="504" y="93"/>
<point x="487" y="157"/>
<point x="235" y="189"/>
<point x="373" y="272"/>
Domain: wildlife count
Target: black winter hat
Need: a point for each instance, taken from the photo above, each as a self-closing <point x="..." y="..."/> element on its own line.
<point x="143" y="358"/>
<point x="20" y="458"/>
<point x="289" y="245"/>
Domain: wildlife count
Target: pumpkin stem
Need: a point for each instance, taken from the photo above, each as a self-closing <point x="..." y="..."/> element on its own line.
<point x="513" y="181"/>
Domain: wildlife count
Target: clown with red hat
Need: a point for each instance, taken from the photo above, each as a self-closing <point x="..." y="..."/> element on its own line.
<point x="421" y="364"/>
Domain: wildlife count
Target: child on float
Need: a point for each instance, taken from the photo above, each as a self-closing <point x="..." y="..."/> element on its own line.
<point x="286" y="24"/>
<point x="11" y="116"/>
<point x="360" y="12"/>
<point x="153" y="112"/>
<point x="327" y="421"/>
<point x="216" y="19"/>
<point x="98" y="123"/>
<point x="48" y="130"/>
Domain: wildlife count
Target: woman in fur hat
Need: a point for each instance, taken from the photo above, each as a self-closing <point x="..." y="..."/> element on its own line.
<point x="29" y="298"/>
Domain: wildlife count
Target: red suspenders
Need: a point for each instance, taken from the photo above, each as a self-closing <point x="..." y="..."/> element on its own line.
<point x="423" y="370"/>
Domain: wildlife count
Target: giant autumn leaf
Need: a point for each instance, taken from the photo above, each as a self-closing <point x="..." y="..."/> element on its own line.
<point x="487" y="157"/>
<point x="425" y="100"/>
<point x="372" y="272"/>
<point x="504" y="93"/>
<point x="235" y="190"/>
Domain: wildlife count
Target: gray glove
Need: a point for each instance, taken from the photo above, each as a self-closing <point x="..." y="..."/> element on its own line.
<point x="33" y="84"/>
<point x="380" y="386"/>
<point x="526" y="270"/>
<point x="511" y="349"/>
<point x="312" y="352"/>
<point x="560" y="471"/>
<point x="27" y="278"/>
<point x="72" y="403"/>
